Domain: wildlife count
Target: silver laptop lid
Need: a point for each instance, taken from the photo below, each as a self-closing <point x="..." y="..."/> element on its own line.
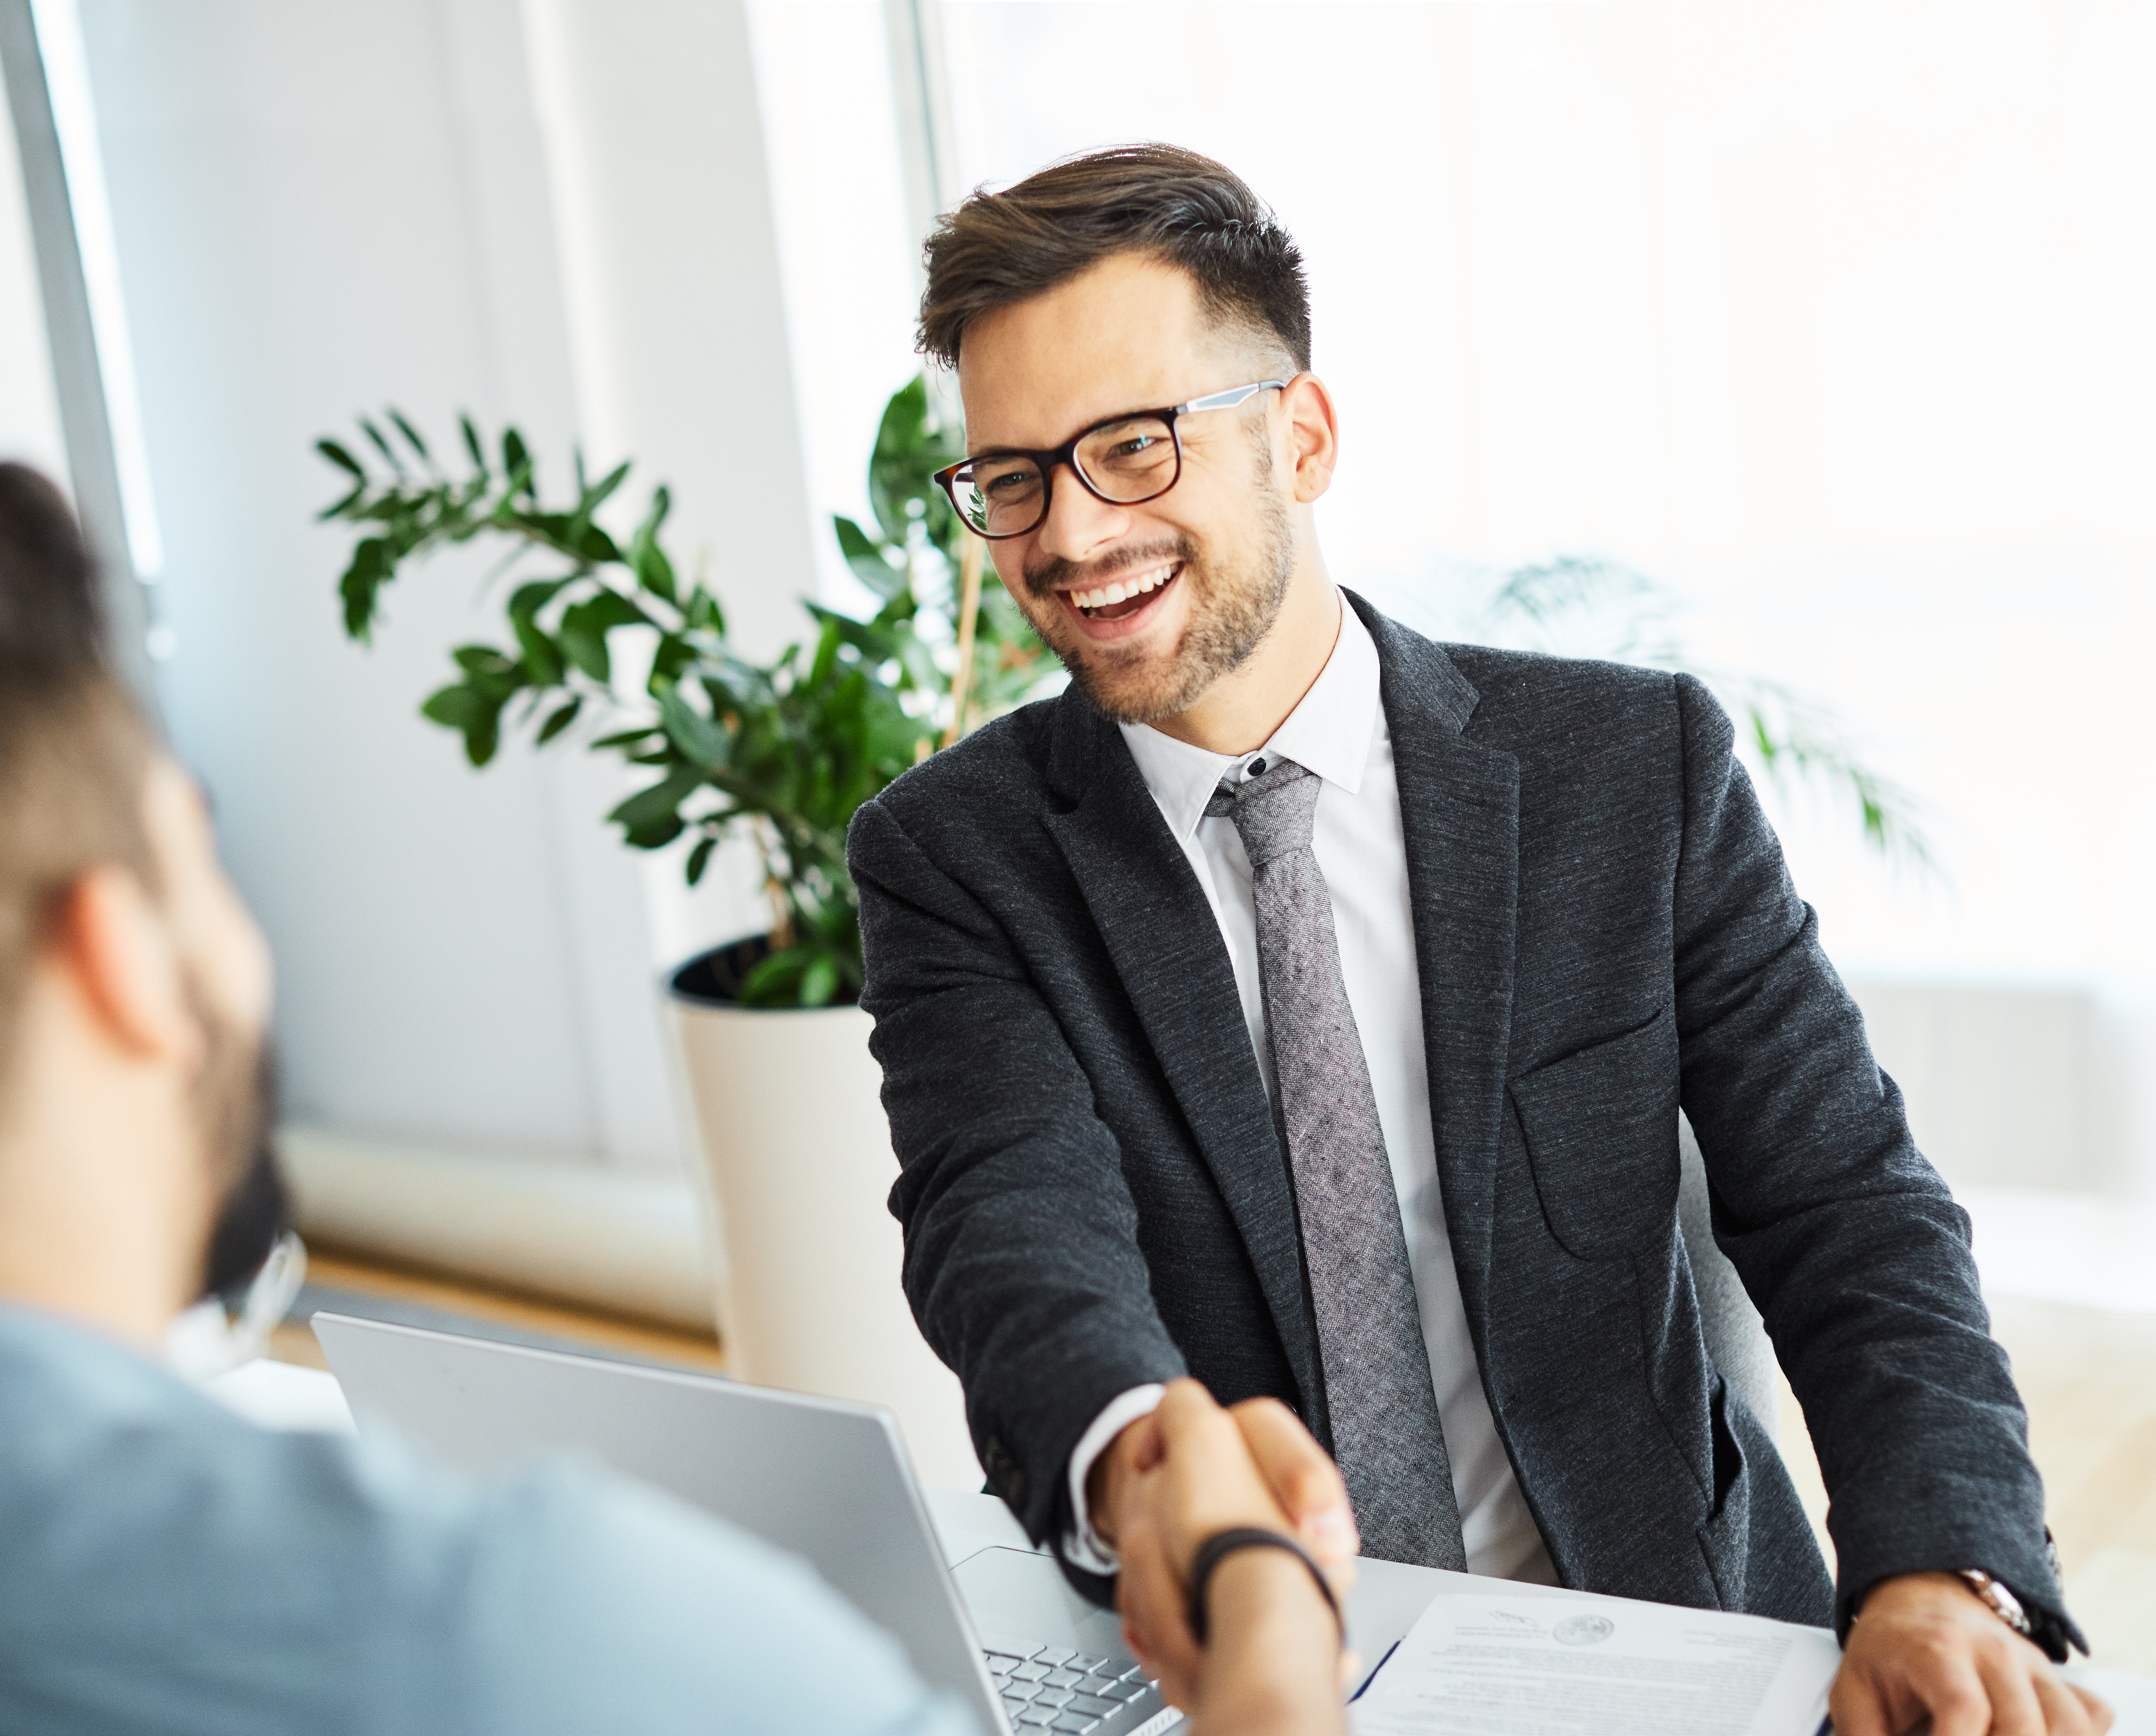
<point x="827" y="1480"/>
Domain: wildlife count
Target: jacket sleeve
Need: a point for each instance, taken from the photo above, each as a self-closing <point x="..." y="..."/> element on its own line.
<point x="1847" y="1238"/>
<point x="1022" y="1262"/>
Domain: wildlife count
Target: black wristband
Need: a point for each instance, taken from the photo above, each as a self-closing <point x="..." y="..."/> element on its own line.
<point x="1222" y="1544"/>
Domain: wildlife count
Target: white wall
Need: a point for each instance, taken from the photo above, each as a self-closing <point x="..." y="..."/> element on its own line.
<point x="322" y="208"/>
<point x="655" y="143"/>
<point x="849" y="256"/>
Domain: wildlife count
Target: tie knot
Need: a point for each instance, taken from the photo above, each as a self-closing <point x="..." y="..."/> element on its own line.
<point x="1276" y="812"/>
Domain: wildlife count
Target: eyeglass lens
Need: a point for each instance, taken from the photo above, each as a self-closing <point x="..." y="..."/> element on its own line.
<point x="1005" y="495"/>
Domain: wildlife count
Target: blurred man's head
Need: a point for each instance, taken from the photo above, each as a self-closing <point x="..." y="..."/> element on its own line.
<point x="1131" y="280"/>
<point x="134" y="987"/>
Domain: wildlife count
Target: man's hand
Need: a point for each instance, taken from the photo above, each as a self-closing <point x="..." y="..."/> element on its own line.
<point x="1923" y="1645"/>
<point x="1190" y="1470"/>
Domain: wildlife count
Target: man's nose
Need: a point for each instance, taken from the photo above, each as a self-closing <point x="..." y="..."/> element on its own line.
<point x="1079" y="522"/>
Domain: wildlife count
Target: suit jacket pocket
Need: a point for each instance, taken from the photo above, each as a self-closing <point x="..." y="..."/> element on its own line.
<point x="1725" y="1537"/>
<point x="1601" y="1131"/>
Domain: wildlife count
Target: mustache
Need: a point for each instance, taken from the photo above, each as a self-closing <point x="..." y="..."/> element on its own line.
<point x="1044" y="579"/>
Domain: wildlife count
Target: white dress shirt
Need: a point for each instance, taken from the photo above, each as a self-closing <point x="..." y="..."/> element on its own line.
<point x="1339" y="733"/>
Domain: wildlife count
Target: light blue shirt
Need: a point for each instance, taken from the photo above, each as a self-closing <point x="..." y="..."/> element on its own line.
<point x="166" y="1566"/>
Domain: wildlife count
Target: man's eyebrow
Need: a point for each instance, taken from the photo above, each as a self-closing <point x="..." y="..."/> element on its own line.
<point x="1086" y="429"/>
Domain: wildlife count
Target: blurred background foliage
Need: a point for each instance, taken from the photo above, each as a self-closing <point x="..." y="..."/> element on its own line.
<point x="1575" y="606"/>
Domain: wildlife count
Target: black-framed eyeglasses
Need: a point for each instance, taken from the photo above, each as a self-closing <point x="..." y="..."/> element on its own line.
<point x="1136" y="456"/>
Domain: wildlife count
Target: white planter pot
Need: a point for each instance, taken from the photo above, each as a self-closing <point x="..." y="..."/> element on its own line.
<point x="798" y="1161"/>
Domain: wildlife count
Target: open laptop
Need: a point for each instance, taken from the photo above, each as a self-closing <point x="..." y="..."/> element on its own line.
<point x="829" y="1481"/>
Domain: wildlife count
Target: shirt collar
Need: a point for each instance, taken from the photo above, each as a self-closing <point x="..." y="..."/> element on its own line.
<point x="1328" y="733"/>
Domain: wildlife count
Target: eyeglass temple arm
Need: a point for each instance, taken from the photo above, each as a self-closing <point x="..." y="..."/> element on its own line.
<point x="1229" y="399"/>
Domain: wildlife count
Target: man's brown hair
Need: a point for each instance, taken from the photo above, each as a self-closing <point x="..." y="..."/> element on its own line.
<point x="997" y="249"/>
<point x="73" y="749"/>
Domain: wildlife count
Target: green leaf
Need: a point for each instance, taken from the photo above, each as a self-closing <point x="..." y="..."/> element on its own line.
<point x="653" y="570"/>
<point x="624" y="737"/>
<point x="827" y="652"/>
<point x="867" y="560"/>
<point x="897" y="469"/>
<point x="595" y="498"/>
<point x="410" y="433"/>
<point x="479" y="659"/>
<point x="585" y="647"/>
<point x="699" y="738"/>
<point x="672" y="659"/>
<point x="652" y="817"/>
<point x="457" y="707"/>
<point x="559" y="721"/>
<point x="338" y="507"/>
<point x="699" y="859"/>
<point x="542" y="658"/>
<point x="478" y="717"/>
<point x="516" y="462"/>
<point x="381" y="445"/>
<point x="703" y="613"/>
<point x="527" y="600"/>
<point x="774" y="981"/>
<point x="659" y="799"/>
<point x="489" y="672"/>
<point x="584" y="627"/>
<point x="472" y="444"/>
<point x="341" y="459"/>
<point x="819" y="982"/>
<point x="370" y="567"/>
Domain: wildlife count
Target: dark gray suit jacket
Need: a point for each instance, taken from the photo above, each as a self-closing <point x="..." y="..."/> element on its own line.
<point x="1095" y="1196"/>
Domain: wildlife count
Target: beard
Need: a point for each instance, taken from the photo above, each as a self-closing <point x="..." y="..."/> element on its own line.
<point x="234" y="1096"/>
<point x="1233" y="605"/>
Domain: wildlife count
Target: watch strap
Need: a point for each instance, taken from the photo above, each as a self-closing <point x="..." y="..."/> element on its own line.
<point x="2000" y="1600"/>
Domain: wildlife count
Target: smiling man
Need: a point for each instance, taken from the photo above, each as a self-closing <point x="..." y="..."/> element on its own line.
<point x="1308" y="1008"/>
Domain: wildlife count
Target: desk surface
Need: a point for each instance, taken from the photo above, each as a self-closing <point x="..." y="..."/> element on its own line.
<point x="1382" y="1606"/>
<point x="1387" y="1599"/>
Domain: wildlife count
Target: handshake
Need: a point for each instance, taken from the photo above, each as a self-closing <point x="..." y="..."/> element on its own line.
<point x="1242" y="1636"/>
<point x="1251" y="1641"/>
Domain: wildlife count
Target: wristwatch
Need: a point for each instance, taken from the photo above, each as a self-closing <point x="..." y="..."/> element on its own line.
<point x="2000" y="1601"/>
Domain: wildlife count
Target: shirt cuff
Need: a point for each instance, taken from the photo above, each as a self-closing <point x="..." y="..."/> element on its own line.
<point x="1082" y="1545"/>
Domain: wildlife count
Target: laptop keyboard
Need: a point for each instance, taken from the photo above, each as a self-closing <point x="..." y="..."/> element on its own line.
<point x="1055" y="1688"/>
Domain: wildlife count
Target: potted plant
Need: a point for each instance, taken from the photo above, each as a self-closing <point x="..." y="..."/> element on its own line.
<point x="796" y="1152"/>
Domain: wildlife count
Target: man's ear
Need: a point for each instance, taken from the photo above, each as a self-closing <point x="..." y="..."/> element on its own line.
<point x="109" y="941"/>
<point x="1313" y="433"/>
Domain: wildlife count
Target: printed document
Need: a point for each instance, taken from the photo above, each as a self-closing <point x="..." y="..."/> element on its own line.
<point x="1510" y="1666"/>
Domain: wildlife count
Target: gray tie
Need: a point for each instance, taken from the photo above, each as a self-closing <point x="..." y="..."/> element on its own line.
<point x="1386" y="1433"/>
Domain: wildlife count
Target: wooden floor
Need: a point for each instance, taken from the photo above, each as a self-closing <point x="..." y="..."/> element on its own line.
<point x="369" y="1277"/>
<point x="2088" y="1379"/>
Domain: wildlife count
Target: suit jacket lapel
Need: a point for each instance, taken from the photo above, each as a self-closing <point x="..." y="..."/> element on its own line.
<point x="1166" y="950"/>
<point x="1460" y="811"/>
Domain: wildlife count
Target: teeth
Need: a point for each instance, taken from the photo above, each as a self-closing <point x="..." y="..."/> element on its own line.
<point x="1122" y="589"/>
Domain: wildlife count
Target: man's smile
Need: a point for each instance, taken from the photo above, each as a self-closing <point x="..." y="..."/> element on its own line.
<point x="1125" y="597"/>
